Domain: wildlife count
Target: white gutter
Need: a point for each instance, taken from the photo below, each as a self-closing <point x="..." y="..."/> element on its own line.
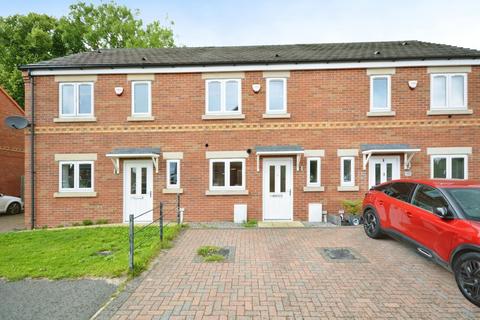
<point x="258" y="67"/>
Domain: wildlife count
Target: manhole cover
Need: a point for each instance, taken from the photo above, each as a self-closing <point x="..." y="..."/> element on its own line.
<point x="341" y="255"/>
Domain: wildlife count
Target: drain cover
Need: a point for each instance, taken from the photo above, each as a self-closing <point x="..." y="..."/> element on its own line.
<point x="341" y="255"/>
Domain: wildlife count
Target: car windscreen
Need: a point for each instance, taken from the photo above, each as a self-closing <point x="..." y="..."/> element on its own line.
<point x="468" y="199"/>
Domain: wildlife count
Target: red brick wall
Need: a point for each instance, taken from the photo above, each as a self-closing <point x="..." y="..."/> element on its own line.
<point x="328" y="111"/>
<point x="11" y="148"/>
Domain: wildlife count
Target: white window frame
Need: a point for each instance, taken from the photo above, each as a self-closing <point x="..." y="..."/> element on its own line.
<point x="347" y="183"/>
<point x="223" y="94"/>
<point x="169" y="185"/>
<point x="448" y="158"/>
<point x="227" y="175"/>
<point x="76" y="177"/>
<point x="319" y="174"/>
<point x="449" y="91"/>
<point x="389" y="93"/>
<point x="142" y="114"/>
<point x="76" y="100"/>
<point x="284" y="110"/>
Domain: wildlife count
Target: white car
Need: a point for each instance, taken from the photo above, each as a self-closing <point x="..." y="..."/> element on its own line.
<point x="10" y="205"/>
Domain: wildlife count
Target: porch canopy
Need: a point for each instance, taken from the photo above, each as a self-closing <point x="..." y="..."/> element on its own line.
<point x="406" y="149"/>
<point x="133" y="153"/>
<point x="287" y="150"/>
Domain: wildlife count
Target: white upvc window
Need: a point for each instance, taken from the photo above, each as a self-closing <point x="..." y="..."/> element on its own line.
<point x="141" y="98"/>
<point x="449" y="167"/>
<point x="380" y="93"/>
<point x="76" y="176"/>
<point x="448" y="91"/>
<point x="76" y="99"/>
<point x="276" y="95"/>
<point x="173" y="174"/>
<point x="313" y="172"/>
<point x="223" y="96"/>
<point x="227" y="174"/>
<point x="347" y="171"/>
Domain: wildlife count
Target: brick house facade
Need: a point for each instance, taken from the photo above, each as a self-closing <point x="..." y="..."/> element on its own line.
<point x="11" y="148"/>
<point x="281" y="137"/>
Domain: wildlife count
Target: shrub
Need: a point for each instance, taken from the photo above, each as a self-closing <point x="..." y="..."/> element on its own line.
<point x="101" y="221"/>
<point x="87" y="222"/>
<point x="76" y="224"/>
<point x="250" y="223"/>
<point x="208" y="250"/>
<point x="353" y="207"/>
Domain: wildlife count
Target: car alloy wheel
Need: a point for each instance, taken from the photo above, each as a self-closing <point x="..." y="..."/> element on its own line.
<point x="13" y="208"/>
<point x="370" y="223"/>
<point x="469" y="279"/>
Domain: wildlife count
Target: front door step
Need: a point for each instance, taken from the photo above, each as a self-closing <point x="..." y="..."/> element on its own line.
<point x="280" y="224"/>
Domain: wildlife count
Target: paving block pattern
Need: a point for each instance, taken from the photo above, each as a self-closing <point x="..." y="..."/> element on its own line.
<point x="280" y="274"/>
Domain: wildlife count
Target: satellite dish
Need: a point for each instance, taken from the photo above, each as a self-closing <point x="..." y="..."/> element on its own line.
<point x="17" y="122"/>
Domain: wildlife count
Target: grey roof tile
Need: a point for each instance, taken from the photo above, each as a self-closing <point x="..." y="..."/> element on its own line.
<point x="289" y="148"/>
<point x="393" y="146"/>
<point x="135" y="151"/>
<point x="266" y="54"/>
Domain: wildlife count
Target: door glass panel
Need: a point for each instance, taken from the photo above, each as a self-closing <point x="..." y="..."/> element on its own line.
<point x="272" y="178"/>
<point x="313" y="171"/>
<point x="68" y="174"/>
<point x="236" y="174"/>
<point x="440" y="168"/>
<point x="283" y="178"/>
<point x="144" y="180"/>
<point x="400" y="190"/>
<point x="389" y="171"/>
<point x="428" y="198"/>
<point x="85" y="175"/>
<point x="218" y="174"/>
<point x="133" y="180"/>
<point x="458" y="168"/>
<point x="378" y="173"/>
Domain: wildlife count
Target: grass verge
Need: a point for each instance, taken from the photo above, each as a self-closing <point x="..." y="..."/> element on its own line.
<point x="74" y="253"/>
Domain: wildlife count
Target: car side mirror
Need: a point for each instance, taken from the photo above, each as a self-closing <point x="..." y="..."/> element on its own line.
<point x="442" y="212"/>
<point x="1" y="195"/>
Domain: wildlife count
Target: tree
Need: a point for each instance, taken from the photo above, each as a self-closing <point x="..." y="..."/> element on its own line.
<point x="35" y="37"/>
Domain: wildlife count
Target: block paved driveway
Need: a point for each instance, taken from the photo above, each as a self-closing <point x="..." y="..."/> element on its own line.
<point x="279" y="273"/>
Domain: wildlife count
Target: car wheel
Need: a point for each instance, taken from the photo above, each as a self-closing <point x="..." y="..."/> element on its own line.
<point x="467" y="275"/>
<point x="371" y="224"/>
<point x="14" y="208"/>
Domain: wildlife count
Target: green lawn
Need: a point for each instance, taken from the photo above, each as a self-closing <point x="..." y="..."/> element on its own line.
<point x="72" y="253"/>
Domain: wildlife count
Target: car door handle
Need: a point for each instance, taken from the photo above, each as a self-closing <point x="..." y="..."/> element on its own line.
<point x="380" y="202"/>
<point x="409" y="214"/>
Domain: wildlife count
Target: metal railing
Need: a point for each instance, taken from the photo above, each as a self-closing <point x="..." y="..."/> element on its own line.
<point x="161" y="224"/>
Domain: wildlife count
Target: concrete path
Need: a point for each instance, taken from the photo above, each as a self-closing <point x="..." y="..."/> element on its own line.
<point x="52" y="300"/>
<point x="287" y="274"/>
<point x="11" y="222"/>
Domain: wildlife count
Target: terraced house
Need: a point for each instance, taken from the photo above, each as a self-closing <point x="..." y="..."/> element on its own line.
<point x="289" y="130"/>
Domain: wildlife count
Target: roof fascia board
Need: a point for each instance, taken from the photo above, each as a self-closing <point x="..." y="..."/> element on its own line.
<point x="257" y="67"/>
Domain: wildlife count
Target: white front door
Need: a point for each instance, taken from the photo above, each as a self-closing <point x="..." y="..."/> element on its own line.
<point x="137" y="189"/>
<point x="277" y="189"/>
<point x="383" y="169"/>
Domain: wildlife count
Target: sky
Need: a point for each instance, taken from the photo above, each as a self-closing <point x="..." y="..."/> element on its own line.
<point x="250" y="22"/>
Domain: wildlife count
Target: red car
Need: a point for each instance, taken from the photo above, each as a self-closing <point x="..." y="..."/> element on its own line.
<point x="440" y="218"/>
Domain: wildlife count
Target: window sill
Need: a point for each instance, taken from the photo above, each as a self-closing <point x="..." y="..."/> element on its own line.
<point x="276" y="116"/>
<point x="139" y="118"/>
<point x="85" y="119"/>
<point x="440" y="112"/>
<point x="226" y="193"/>
<point x="381" y="114"/>
<point x="172" y="190"/>
<point x="74" y="194"/>
<point x="313" y="189"/>
<point x="222" y="116"/>
<point x="348" y="188"/>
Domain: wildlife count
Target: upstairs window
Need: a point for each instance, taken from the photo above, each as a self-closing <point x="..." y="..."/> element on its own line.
<point x="76" y="99"/>
<point x="380" y="93"/>
<point x="276" y="95"/>
<point x="449" y="167"/>
<point x="448" y="91"/>
<point x="223" y="96"/>
<point x="141" y="98"/>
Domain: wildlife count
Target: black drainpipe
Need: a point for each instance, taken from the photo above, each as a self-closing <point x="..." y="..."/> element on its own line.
<point x="32" y="149"/>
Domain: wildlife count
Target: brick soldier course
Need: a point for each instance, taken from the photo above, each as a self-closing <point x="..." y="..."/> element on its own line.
<point x="279" y="274"/>
<point x="327" y="107"/>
